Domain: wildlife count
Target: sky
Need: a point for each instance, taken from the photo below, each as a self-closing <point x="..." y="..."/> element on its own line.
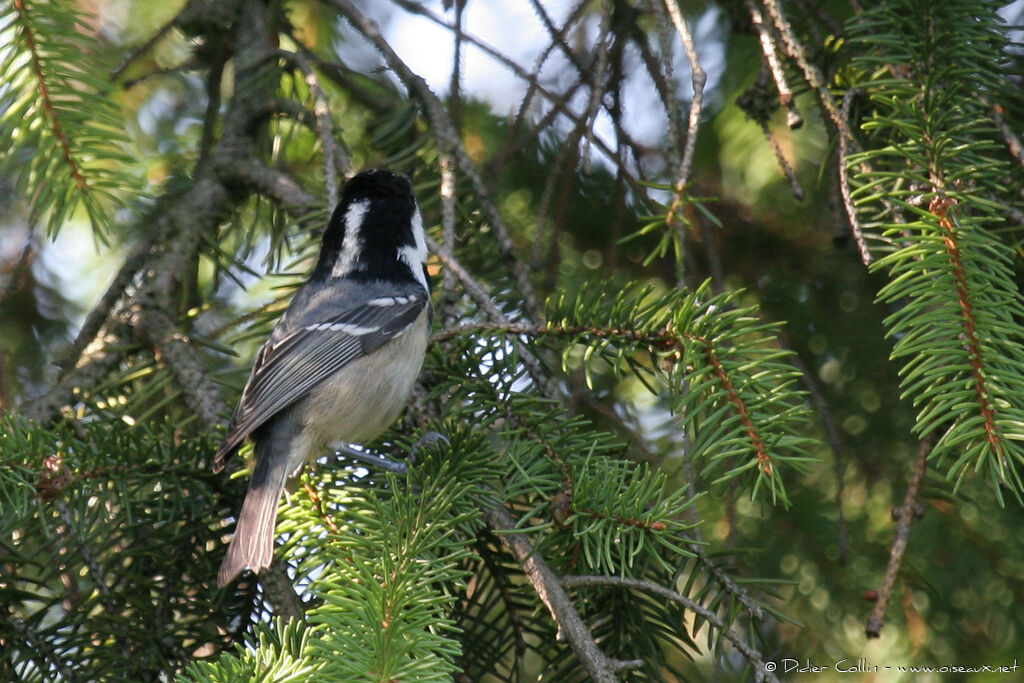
<point x="515" y="30"/>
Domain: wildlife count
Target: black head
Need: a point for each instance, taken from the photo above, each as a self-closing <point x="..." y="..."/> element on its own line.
<point x="376" y="231"/>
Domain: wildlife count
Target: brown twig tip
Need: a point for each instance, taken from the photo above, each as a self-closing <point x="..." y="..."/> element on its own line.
<point x="899" y="545"/>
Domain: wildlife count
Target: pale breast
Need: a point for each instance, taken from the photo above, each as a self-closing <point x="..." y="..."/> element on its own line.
<point x="362" y="399"/>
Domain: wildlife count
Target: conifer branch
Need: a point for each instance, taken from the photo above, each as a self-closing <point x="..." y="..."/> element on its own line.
<point x="899" y="544"/>
<point x="750" y="654"/>
<point x="546" y="584"/>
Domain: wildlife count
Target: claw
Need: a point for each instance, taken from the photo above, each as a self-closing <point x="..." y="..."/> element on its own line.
<point x="428" y="439"/>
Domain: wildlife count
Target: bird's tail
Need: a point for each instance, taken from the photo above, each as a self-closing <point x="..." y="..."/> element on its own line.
<point x="253" y="543"/>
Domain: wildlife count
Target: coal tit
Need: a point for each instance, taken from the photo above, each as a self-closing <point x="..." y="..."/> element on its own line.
<point x="341" y="362"/>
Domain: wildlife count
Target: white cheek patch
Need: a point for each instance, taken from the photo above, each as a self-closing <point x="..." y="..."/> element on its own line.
<point x="352" y="244"/>
<point x="416" y="256"/>
<point x="354" y="330"/>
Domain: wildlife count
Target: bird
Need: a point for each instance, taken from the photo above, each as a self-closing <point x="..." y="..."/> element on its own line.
<point x="341" y="362"/>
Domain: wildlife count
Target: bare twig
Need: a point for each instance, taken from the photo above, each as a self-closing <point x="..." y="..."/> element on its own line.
<point x="899" y="544"/>
<point x="794" y="183"/>
<point x="811" y="72"/>
<point x="749" y="653"/>
<point x="448" y="140"/>
<point x="698" y="78"/>
<point x="786" y="99"/>
<point x="597" y="82"/>
<point x="101" y="311"/>
<point x="455" y="81"/>
<point x="335" y="158"/>
<point x="599" y="666"/>
<point x="1012" y="141"/>
<point x="559" y="102"/>
<point x="172" y="348"/>
<point x="447" y="165"/>
<point x="844" y="181"/>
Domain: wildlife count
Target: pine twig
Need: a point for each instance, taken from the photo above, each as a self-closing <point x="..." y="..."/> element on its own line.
<point x="335" y="158"/>
<point x="171" y="347"/>
<point x="899" y="544"/>
<point x="448" y="140"/>
<point x="699" y="79"/>
<point x="570" y="625"/>
<point x="786" y="99"/>
<point x="101" y="311"/>
<point x="479" y="294"/>
<point x="750" y="654"/>
<point x="844" y="180"/>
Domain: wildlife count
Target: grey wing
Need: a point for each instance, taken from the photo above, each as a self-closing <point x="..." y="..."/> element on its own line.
<point x="306" y="348"/>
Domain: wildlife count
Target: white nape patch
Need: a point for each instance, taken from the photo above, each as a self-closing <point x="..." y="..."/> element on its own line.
<point x="390" y="301"/>
<point x="354" y="330"/>
<point x="352" y="244"/>
<point x="416" y="256"/>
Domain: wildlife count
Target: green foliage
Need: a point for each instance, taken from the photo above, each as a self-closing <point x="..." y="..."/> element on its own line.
<point x="639" y="427"/>
<point x="931" y="183"/>
<point x="63" y="133"/>
<point x="384" y="567"/>
<point x="89" y="589"/>
<point x="274" y="655"/>
<point x="721" y="367"/>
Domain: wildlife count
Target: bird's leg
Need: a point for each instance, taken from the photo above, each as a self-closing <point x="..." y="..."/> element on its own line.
<point x="368" y="458"/>
<point x="373" y="460"/>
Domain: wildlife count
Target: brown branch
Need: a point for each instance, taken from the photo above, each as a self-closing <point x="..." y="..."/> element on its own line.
<point x="570" y="625"/>
<point x="787" y="169"/>
<point x="811" y="72"/>
<point x="278" y="186"/>
<point x="750" y="654"/>
<point x="279" y="592"/>
<point x="899" y="544"/>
